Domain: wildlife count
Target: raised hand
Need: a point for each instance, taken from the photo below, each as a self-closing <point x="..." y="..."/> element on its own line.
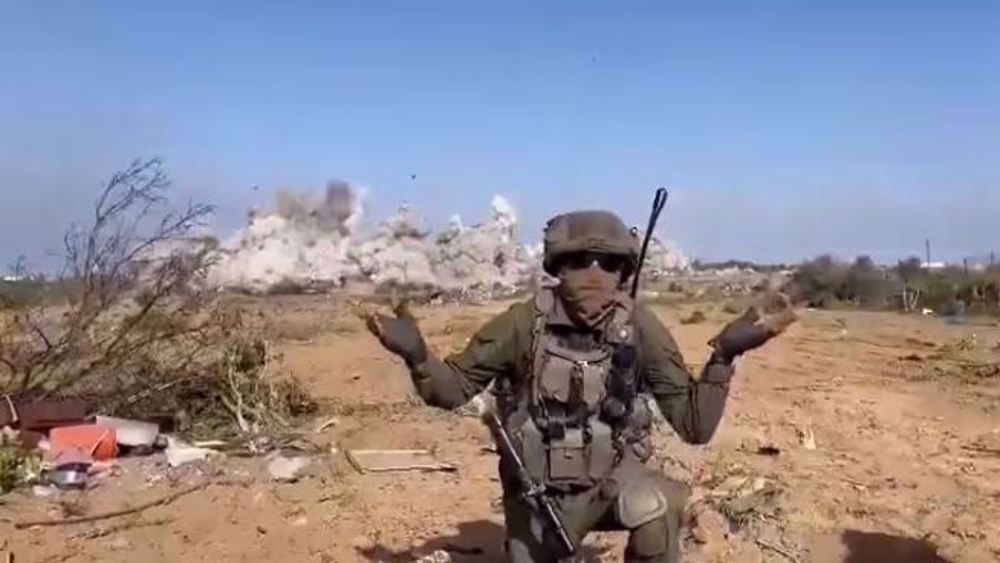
<point x="399" y="334"/>
<point x="752" y="329"/>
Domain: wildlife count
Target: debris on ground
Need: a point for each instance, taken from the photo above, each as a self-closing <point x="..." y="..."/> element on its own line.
<point x="380" y="461"/>
<point x="760" y="447"/>
<point x="286" y="469"/>
<point x="807" y="438"/>
<point x="179" y="453"/>
<point x="97" y="441"/>
<point x="130" y="433"/>
<point x="44" y="491"/>
<point x="43" y="415"/>
<point x="327" y="424"/>
<point x="71" y="469"/>
<point x="987" y="443"/>
<point x="746" y="499"/>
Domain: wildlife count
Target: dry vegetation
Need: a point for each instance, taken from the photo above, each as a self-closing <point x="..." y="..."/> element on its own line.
<point x="129" y="326"/>
<point x="874" y="431"/>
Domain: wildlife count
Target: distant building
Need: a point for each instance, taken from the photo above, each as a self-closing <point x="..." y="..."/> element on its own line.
<point x="933" y="265"/>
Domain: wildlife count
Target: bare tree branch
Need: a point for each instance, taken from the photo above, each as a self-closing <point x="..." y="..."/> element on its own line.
<point x="10" y="365"/>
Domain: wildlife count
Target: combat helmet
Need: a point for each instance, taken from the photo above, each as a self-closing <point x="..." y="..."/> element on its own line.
<point x="594" y="231"/>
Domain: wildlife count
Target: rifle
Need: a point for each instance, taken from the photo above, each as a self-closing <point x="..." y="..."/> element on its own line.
<point x="659" y="202"/>
<point x="531" y="491"/>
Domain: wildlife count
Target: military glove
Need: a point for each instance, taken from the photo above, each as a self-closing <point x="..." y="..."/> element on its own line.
<point x="751" y="331"/>
<point x="400" y="335"/>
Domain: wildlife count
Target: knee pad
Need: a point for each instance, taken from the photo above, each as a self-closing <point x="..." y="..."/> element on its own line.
<point x="650" y="541"/>
<point x="639" y="503"/>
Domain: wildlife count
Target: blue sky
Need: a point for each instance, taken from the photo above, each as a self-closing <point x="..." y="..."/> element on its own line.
<point x="784" y="129"/>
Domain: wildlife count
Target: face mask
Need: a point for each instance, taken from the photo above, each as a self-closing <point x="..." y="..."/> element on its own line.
<point x="588" y="293"/>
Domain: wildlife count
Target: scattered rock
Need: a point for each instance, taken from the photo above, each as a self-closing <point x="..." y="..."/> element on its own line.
<point x="286" y="469"/>
<point x="967" y="526"/>
<point x="753" y="498"/>
<point x="807" y="438"/>
<point x="769" y="450"/>
<point x="760" y="447"/>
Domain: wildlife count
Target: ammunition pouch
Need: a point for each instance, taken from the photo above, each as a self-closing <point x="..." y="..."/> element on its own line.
<point x="580" y="457"/>
<point x="570" y="428"/>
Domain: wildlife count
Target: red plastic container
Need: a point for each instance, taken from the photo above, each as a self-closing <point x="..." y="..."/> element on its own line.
<point x="97" y="441"/>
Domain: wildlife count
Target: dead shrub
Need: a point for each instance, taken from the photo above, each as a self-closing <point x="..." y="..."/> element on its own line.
<point x="139" y="333"/>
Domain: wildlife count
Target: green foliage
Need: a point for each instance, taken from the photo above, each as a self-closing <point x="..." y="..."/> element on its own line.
<point x="826" y="282"/>
<point x="866" y="284"/>
<point x="17" y="467"/>
<point x="10" y="468"/>
<point x="819" y="282"/>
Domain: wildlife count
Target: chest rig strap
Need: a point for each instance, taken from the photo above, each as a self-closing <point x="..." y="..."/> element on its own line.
<point x="590" y="377"/>
<point x="562" y="421"/>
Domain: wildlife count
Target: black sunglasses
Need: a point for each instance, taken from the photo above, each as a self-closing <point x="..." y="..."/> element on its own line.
<point x="584" y="260"/>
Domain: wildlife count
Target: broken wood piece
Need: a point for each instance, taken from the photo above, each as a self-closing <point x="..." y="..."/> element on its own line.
<point x="383" y="461"/>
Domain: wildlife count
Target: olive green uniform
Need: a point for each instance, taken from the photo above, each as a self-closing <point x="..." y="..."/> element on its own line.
<point x="567" y="368"/>
<point x="502" y="349"/>
<point x="629" y="497"/>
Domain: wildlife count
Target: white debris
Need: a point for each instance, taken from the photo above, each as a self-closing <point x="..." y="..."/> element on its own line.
<point x="327" y="424"/>
<point x="131" y="433"/>
<point x="179" y="453"/>
<point x="807" y="438"/>
<point x="286" y="469"/>
<point x="44" y="491"/>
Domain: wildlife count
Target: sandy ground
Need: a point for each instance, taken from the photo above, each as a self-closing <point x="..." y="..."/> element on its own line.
<point x="904" y="412"/>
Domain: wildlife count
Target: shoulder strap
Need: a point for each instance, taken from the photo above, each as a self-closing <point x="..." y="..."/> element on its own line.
<point x="544" y="302"/>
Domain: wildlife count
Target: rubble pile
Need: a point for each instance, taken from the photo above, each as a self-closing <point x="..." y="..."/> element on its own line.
<point x="304" y="243"/>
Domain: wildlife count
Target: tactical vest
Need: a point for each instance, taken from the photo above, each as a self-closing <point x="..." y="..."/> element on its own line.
<point x="577" y="412"/>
